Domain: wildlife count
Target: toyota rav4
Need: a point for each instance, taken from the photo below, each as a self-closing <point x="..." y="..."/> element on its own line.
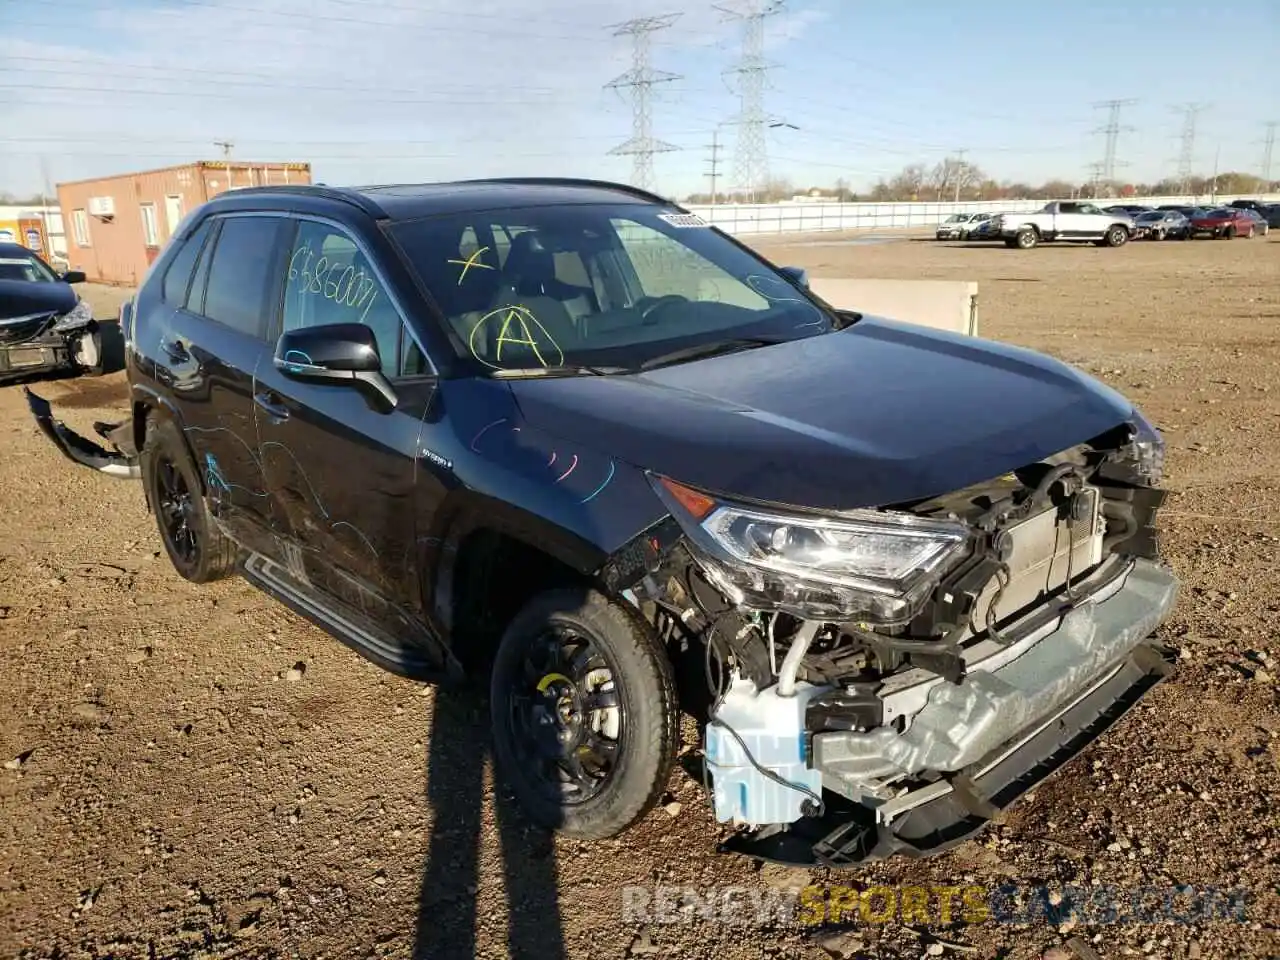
<point x="567" y="437"/>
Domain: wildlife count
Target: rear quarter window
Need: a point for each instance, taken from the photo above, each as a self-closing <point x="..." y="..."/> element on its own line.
<point x="177" y="278"/>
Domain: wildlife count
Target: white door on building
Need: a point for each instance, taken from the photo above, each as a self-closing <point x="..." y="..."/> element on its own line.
<point x="173" y="212"/>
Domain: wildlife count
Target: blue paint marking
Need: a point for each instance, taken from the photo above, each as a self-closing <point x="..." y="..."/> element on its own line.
<point x="213" y="474"/>
<point x="607" y="480"/>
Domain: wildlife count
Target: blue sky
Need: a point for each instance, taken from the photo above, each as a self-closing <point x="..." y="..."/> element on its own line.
<point x="398" y="90"/>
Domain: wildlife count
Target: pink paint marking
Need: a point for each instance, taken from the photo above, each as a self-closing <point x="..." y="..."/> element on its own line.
<point x="573" y="466"/>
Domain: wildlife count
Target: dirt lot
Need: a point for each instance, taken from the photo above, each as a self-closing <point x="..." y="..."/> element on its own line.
<point x="196" y="772"/>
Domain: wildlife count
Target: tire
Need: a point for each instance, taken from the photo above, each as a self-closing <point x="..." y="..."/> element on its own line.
<point x="643" y="691"/>
<point x="1229" y="233"/>
<point x="198" y="550"/>
<point x="1026" y="238"/>
<point x="1158" y="235"/>
<point x="1116" y="236"/>
<point x="1011" y="243"/>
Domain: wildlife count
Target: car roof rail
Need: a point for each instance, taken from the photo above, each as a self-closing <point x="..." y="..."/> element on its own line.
<point x="582" y="182"/>
<point x="344" y="194"/>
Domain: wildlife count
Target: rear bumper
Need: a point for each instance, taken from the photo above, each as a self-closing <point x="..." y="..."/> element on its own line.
<point x="974" y="747"/>
<point x="123" y="462"/>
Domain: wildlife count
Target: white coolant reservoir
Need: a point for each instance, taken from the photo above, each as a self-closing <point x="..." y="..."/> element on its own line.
<point x="772" y="728"/>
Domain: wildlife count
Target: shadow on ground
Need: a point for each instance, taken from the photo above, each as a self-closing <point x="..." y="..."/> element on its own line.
<point x="447" y="904"/>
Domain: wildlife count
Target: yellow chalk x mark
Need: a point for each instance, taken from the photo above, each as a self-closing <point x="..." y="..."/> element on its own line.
<point x="470" y="262"/>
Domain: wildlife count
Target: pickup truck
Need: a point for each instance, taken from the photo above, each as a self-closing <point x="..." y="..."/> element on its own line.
<point x="1064" y="220"/>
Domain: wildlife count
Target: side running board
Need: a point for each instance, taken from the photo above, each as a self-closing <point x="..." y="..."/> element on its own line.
<point x="406" y="658"/>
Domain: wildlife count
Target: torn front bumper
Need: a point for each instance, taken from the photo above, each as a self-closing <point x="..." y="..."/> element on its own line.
<point x="123" y="462"/>
<point x="965" y="751"/>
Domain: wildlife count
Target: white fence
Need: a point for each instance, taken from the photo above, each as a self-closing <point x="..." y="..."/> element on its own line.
<point x="803" y="217"/>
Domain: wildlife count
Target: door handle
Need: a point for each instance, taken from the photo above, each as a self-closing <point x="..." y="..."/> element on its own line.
<point x="272" y="408"/>
<point x="175" y="351"/>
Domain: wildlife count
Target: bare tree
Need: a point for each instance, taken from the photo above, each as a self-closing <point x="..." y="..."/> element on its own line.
<point x="952" y="176"/>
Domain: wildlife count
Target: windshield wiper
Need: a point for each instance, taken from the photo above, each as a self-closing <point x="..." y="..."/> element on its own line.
<point x="716" y="347"/>
<point x="560" y="370"/>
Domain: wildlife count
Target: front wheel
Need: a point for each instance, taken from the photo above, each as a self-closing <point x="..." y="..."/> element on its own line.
<point x="584" y="714"/>
<point x="1117" y="236"/>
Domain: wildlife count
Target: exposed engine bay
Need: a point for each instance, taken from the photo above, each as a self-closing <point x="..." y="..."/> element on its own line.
<point x="1009" y="626"/>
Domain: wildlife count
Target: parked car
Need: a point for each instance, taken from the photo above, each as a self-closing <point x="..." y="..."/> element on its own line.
<point x="1187" y="210"/>
<point x="1132" y="209"/>
<point x="44" y="325"/>
<point x="1259" y="221"/>
<point x="984" y="230"/>
<point x="1065" y="221"/>
<point x="959" y="226"/>
<point x="1247" y="205"/>
<point x="1272" y="214"/>
<point x="1162" y="225"/>
<point x="1223" y="223"/>
<point x="508" y="429"/>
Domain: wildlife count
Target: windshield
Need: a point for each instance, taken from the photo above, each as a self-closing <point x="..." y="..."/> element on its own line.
<point x="25" y="267"/>
<point x="1151" y="216"/>
<point x="603" y="285"/>
<point x="956" y="218"/>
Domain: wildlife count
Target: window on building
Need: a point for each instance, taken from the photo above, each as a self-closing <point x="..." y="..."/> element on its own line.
<point x="329" y="280"/>
<point x="241" y="273"/>
<point x="150" y="232"/>
<point x="177" y="278"/>
<point x="80" y="226"/>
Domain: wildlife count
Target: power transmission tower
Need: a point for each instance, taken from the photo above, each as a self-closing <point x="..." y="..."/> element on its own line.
<point x="1187" y="154"/>
<point x="713" y="172"/>
<point x="640" y="79"/>
<point x="1112" y="131"/>
<point x="751" y="158"/>
<point x="1268" y="146"/>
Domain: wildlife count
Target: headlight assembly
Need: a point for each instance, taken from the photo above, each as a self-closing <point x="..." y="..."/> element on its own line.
<point x="78" y="316"/>
<point x="868" y="565"/>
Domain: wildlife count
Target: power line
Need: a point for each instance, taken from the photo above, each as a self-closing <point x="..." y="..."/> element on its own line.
<point x="640" y="80"/>
<point x="1107" y="169"/>
<point x="1186" y="155"/>
<point x="751" y="159"/>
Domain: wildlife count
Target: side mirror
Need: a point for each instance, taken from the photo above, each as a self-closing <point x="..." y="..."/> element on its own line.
<point x="797" y="275"/>
<point x="73" y="276"/>
<point x="335" y="353"/>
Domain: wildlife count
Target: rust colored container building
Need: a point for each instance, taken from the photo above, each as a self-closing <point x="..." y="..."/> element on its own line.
<point x="116" y="226"/>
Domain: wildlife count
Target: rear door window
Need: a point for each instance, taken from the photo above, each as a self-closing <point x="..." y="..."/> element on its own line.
<point x="243" y="272"/>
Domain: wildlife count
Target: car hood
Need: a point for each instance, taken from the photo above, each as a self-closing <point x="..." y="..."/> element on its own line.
<point x="877" y="414"/>
<point x="20" y="298"/>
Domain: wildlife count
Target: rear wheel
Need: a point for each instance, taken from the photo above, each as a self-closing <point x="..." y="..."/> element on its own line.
<point x="1027" y="238"/>
<point x="197" y="549"/>
<point x="584" y="714"/>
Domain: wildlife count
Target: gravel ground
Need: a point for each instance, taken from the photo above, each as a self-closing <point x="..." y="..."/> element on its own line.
<point x="196" y="772"/>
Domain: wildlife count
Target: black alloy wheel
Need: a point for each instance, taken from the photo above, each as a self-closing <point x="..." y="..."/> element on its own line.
<point x="197" y="548"/>
<point x="566" y="717"/>
<point x="584" y="713"/>
<point x="175" y="512"/>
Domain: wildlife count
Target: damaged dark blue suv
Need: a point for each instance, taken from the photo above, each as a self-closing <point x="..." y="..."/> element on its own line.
<point x="566" y="436"/>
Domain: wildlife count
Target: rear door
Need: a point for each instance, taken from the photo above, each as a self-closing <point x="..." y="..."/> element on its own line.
<point x="211" y="349"/>
<point x="339" y="471"/>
